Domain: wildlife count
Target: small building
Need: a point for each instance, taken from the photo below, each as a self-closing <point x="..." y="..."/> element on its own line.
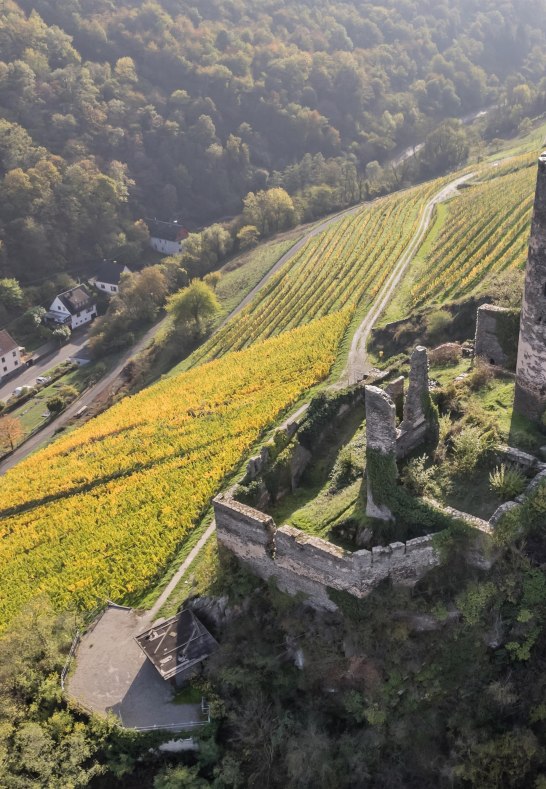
<point x="108" y="276"/>
<point x="167" y="238"/>
<point x="178" y="646"/>
<point x="74" y="307"/>
<point x="82" y="356"/>
<point x="10" y="354"/>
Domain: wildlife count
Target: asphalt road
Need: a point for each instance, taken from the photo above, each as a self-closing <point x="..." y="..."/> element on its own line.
<point x="85" y="400"/>
<point x="28" y="375"/>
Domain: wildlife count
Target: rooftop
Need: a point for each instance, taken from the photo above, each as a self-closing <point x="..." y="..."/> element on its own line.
<point x="76" y="299"/>
<point x="170" y="231"/>
<point x="7" y="343"/>
<point x="110" y="271"/>
<point x="177" y="644"/>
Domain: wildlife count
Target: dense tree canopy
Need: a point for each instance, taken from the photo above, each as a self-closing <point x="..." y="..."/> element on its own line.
<point x="109" y="112"/>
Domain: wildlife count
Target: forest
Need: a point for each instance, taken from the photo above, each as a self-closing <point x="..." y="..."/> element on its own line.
<point x="112" y="112"/>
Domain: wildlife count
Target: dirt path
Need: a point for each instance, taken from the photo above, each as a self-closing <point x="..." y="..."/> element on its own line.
<point x="358" y="365"/>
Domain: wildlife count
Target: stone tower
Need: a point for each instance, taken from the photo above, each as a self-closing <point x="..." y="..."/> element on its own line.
<point x="531" y="366"/>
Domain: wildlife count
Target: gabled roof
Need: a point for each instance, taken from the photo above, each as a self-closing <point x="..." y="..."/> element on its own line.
<point x="7" y="343"/>
<point x="110" y="272"/>
<point x="76" y="299"/>
<point x="168" y="231"/>
<point x="177" y="644"/>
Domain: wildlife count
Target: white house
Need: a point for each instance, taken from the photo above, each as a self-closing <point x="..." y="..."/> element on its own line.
<point x="74" y="308"/>
<point x="108" y="276"/>
<point x="10" y="355"/>
<point x="166" y="237"/>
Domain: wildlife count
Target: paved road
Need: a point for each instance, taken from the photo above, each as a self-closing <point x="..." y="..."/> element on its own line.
<point x="27" y="376"/>
<point x="85" y="400"/>
<point x="112" y="675"/>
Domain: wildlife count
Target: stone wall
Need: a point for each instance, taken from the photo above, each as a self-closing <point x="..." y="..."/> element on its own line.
<point x="417" y="425"/>
<point x="307" y="565"/>
<point x="530" y="399"/>
<point x="491" y="344"/>
<point x="381" y="437"/>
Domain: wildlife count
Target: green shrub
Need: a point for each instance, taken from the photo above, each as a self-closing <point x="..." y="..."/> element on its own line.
<point x="248" y="494"/>
<point x="480" y="376"/>
<point x="346" y="469"/>
<point x="55" y="404"/>
<point x="507" y="481"/>
<point x="417" y="478"/>
<point x="438" y="322"/>
<point x="469" y="446"/>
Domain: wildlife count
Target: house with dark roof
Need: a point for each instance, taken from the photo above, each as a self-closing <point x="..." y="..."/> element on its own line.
<point x="108" y="276"/>
<point x="166" y="237"/>
<point x="73" y="308"/>
<point x="10" y="354"/>
<point x="178" y="646"/>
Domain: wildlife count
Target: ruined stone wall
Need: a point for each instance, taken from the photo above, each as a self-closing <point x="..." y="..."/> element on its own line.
<point x="381" y="436"/>
<point x="490" y="342"/>
<point x="418" y="424"/>
<point x="487" y="344"/>
<point x="248" y="533"/>
<point x="307" y="565"/>
<point x="530" y="399"/>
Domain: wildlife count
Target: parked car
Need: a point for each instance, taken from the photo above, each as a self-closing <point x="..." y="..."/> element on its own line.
<point x="21" y="390"/>
<point x="43" y="379"/>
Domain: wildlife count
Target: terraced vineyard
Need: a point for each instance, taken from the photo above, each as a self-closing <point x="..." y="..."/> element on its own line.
<point x="345" y="265"/>
<point x="98" y="513"/>
<point x="487" y="230"/>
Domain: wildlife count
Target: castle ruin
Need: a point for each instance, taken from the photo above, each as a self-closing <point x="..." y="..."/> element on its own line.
<point x="530" y="399"/>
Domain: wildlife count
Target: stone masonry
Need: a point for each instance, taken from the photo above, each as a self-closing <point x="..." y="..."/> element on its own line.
<point x="487" y="345"/>
<point x="416" y="425"/>
<point x="530" y="399"/>
<point x="380" y="437"/>
<point x="302" y="564"/>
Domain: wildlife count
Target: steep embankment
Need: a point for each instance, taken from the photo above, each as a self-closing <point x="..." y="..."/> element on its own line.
<point x="100" y="511"/>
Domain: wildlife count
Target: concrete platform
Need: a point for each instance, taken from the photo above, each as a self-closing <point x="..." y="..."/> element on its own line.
<point x="110" y="674"/>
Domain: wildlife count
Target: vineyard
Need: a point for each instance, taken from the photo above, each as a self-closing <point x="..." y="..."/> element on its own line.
<point x="345" y="265"/>
<point x="98" y="513"/>
<point x="487" y="230"/>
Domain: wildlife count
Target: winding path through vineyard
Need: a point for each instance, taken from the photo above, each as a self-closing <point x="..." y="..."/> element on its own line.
<point x="357" y="363"/>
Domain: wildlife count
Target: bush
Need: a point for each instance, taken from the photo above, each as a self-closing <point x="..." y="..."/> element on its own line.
<point x="438" y="322"/>
<point x="446" y="355"/>
<point x="507" y="481"/>
<point x="55" y="404"/>
<point x="347" y="469"/>
<point x="417" y="478"/>
<point x="480" y="376"/>
<point x="468" y="447"/>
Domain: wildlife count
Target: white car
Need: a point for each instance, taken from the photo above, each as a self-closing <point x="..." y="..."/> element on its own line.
<point x="43" y="379"/>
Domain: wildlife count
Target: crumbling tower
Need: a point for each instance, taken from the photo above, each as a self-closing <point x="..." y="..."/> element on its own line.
<point x="530" y="397"/>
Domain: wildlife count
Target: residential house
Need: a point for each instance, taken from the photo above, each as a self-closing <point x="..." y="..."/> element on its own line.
<point x="74" y="307"/>
<point x="108" y="276"/>
<point x="166" y="237"/>
<point x="10" y="354"/>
